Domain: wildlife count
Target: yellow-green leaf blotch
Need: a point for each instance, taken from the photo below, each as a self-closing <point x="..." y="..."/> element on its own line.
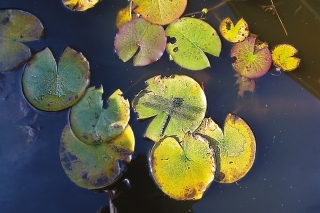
<point x="234" y="33"/>
<point x="80" y="5"/>
<point x="93" y="124"/>
<point x="50" y="87"/>
<point x="95" y="167"/>
<point x="178" y="102"/>
<point x="282" y="56"/>
<point x="17" y="26"/>
<point x="190" y="39"/>
<point x="183" y="170"/>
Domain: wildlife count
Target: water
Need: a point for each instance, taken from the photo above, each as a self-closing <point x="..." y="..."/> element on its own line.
<point x="283" y="115"/>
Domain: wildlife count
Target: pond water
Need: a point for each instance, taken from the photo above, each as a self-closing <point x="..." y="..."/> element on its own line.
<point x="283" y="112"/>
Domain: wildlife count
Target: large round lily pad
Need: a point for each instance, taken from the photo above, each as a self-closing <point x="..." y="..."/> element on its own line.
<point x="191" y="39"/>
<point x="92" y="123"/>
<point x="17" y="26"/>
<point x="235" y="148"/>
<point x="178" y="102"/>
<point x="95" y="167"/>
<point x="51" y="88"/>
<point x="183" y="170"/>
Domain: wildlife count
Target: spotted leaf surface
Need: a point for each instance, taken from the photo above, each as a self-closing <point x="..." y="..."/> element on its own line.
<point x="283" y="57"/>
<point x="234" y="33"/>
<point x="80" y="5"/>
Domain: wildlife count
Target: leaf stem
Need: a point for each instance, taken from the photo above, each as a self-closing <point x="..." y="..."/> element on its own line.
<point x="212" y="8"/>
<point x="275" y="9"/>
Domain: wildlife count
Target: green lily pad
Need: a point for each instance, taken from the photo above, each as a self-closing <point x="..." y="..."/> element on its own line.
<point x="251" y="62"/>
<point x="160" y="12"/>
<point x="80" y="5"/>
<point x="178" y="102"/>
<point x="92" y="124"/>
<point x="235" y="148"/>
<point x="95" y="167"/>
<point x="139" y="34"/>
<point x="234" y="33"/>
<point x="17" y="26"/>
<point x="191" y="39"/>
<point x="183" y="170"/>
<point x="51" y="88"/>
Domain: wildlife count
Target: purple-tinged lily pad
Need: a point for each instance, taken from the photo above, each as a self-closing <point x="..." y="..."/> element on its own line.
<point x="17" y="26"/>
<point x="140" y="34"/>
<point x="250" y="61"/>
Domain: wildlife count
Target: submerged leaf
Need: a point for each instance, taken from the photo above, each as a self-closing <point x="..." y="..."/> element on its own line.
<point x="140" y="34"/>
<point x="191" y="39"/>
<point x="17" y="26"/>
<point x="282" y="56"/>
<point x="51" y="88"/>
<point x="235" y="148"/>
<point x="251" y="62"/>
<point x="183" y="170"/>
<point x="80" y="5"/>
<point x="93" y="124"/>
<point x="95" y="167"/>
<point x="245" y="84"/>
<point x="178" y="102"/>
<point x="160" y="12"/>
<point x="234" y="33"/>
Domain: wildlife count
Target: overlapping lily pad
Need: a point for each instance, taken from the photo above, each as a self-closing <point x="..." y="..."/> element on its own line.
<point x="191" y="38"/>
<point x="17" y="26"/>
<point x="50" y="87"/>
<point x="92" y="123"/>
<point x="233" y="33"/>
<point x="95" y="167"/>
<point x="177" y="102"/>
<point x="138" y="34"/>
<point x="80" y="5"/>
<point x="282" y="56"/>
<point x="235" y="147"/>
<point x="183" y="170"/>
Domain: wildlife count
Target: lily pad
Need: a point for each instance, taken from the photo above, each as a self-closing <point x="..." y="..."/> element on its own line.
<point x="251" y="62"/>
<point x="17" y="26"/>
<point x="160" y="12"/>
<point x="235" y="148"/>
<point x="92" y="123"/>
<point x="124" y="15"/>
<point x="234" y="33"/>
<point x="191" y="39"/>
<point x="178" y="102"/>
<point x="95" y="167"/>
<point x="282" y="56"/>
<point x="51" y="88"/>
<point x="80" y="5"/>
<point x="183" y="170"/>
<point x="140" y="34"/>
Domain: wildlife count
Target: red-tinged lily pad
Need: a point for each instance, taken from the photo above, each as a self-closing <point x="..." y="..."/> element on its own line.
<point x="283" y="57"/>
<point x="95" y="167"/>
<point x="80" y="5"/>
<point x="50" y="87"/>
<point x="139" y="34"/>
<point x="251" y="62"/>
<point x="160" y="12"/>
<point x="17" y="26"/>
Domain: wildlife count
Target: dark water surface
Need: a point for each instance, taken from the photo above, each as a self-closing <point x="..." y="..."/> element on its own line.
<point x="284" y="116"/>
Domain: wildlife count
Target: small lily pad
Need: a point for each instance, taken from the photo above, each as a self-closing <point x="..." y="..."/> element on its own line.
<point x="191" y="39"/>
<point x="183" y="170"/>
<point x="282" y="56"/>
<point x="250" y="62"/>
<point x="139" y="34"/>
<point x="95" y="167"/>
<point x="234" y="33"/>
<point x="80" y="5"/>
<point x="124" y="15"/>
<point x="93" y="124"/>
<point x="178" y="102"/>
<point x="160" y="12"/>
<point x="17" y="26"/>
<point x="51" y="88"/>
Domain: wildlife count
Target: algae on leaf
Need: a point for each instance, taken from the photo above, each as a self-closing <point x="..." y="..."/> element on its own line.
<point x="50" y="87"/>
<point x="17" y="26"/>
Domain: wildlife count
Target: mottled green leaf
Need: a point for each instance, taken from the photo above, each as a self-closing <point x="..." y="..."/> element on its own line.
<point x="51" y="88"/>
<point x="139" y="34"/>
<point x="17" y="26"/>
<point x="92" y="123"/>
<point x="191" y="38"/>
<point x="183" y="170"/>
<point x="95" y="167"/>
<point x="178" y="102"/>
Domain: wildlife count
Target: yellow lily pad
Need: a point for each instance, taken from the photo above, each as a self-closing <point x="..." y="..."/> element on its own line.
<point x="282" y="56"/>
<point x="80" y="5"/>
<point x="233" y="33"/>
